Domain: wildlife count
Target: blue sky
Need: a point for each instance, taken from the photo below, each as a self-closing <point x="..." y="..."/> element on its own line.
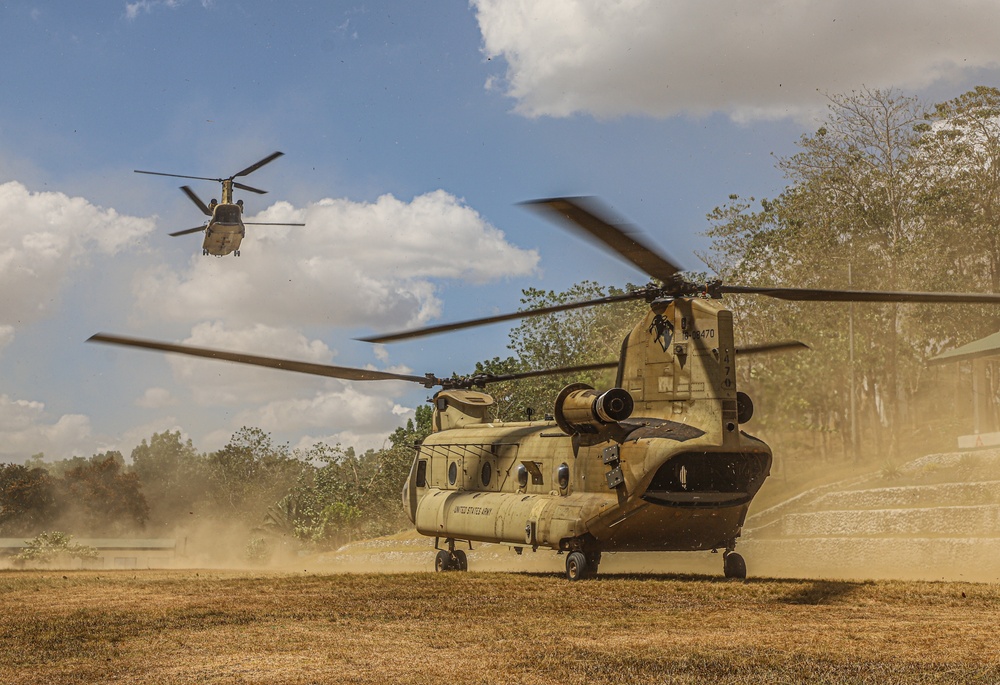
<point x="411" y="132"/>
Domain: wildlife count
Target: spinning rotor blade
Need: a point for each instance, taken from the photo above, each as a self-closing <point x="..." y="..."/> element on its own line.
<point x="491" y="378"/>
<point x="764" y="348"/>
<point x="197" y="200"/>
<point x="186" y="231"/>
<point x="469" y="323"/>
<point x="160" y="173"/>
<point x="586" y="213"/>
<point x="268" y="223"/>
<point x="823" y="295"/>
<point x="249" y="188"/>
<point x="253" y="167"/>
<point x="343" y="372"/>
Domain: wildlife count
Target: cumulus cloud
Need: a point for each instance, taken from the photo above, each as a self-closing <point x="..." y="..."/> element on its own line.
<point x="156" y="398"/>
<point x="43" y="237"/>
<point x="278" y="401"/>
<point x="25" y="429"/>
<point x="134" y="9"/>
<point x="214" y="383"/>
<point x="765" y="59"/>
<point x="353" y="263"/>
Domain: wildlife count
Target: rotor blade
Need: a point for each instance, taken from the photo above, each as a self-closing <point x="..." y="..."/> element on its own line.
<point x="832" y="295"/>
<point x="469" y="323"/>
<point x="186" y="231"/>
<point x="551" y="372"/>
<point x="343" y="372"/>
<point x="242" y="186"/>
<point x="268" y="223"/>
<point x="197" y="200"/>
<point x="160" y="173"/>
<point x="253" y="167"/>
<point x="585" y="213"/>
<point x="764" y="348"/>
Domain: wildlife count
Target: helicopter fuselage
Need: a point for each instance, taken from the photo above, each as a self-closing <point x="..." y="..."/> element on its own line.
<point x="676" y="475"/>
<point x="225" y="231"/>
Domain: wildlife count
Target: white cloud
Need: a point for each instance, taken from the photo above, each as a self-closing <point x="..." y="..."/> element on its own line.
<point x="352" y="264"/>
<point x="369" y="410"/>
<point x="156" y="398"/>
<point x="43" y="237"/>
<point x="6" y="335"/>
<point x="134" y="9"/>
<point x="26" y="429"/>
<point x="282" y="402"/>
<point x="764" y="59"/>
<point x="214" y="383"/>
<point x="361" y="442"/>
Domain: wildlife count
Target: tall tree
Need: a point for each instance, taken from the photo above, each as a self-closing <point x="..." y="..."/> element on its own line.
<point x="104" y="498"/>
<point x="249" y="474"/>
<point x="174" y="478"/>
<point x="579" y="336"/>
<point x="28" y="502"/>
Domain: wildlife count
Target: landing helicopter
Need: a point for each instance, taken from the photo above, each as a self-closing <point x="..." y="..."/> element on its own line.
<point x="657" y="463"/>
<point x="225" y="229"/>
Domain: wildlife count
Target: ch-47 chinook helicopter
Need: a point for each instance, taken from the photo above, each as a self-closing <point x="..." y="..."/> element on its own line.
<point x="225" y="228"/>
<point x="657" y="463"/>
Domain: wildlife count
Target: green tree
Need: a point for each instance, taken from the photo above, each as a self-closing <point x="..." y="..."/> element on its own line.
<point x="104" y="498"/>
<point x="174" y="478"/>
<point x="28" y="500"/>
<point x="250" y="474"/>
<point x="884" y="195"/>
<point x="54" y="547"/>
<point x="575" y="337"/>
<point x="961" y="152"/>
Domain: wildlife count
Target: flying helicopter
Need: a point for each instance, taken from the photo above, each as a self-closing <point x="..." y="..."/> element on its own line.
<point x="659" y="462"/>
<point x="225" y="228"/>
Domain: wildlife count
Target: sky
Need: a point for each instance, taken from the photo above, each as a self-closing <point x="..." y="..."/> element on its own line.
<point x="411" y="133"/>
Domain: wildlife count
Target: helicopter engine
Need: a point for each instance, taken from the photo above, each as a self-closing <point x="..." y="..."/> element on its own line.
<point x="580" y="409"/>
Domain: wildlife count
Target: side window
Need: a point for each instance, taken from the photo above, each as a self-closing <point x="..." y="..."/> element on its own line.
<point x="422" y="473"/>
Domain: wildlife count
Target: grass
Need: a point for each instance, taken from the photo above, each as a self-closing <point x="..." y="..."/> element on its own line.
<point x="235" y="627"/>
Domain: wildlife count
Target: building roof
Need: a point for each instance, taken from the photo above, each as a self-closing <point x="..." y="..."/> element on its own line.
<point x="984" y="347"/>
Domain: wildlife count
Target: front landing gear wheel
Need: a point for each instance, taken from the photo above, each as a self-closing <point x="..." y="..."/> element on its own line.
<point x="460" y="561"/>
<point x="442" y="562"/>
<point x="734" y="566"/>
<point x="576" y="566"/>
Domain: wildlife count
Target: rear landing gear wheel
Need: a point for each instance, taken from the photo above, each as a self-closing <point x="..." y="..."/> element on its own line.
<point x="734" y="566"/>
<point x="576" y="566"/>
<point x="442" y="562"/>
<point x="460" y="561"/>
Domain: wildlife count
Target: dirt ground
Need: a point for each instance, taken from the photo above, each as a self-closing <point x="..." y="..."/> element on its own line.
<point x="198" y="626"/>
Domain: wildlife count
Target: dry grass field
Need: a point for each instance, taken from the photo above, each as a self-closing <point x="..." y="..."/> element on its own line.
<point x="244" y="627"/>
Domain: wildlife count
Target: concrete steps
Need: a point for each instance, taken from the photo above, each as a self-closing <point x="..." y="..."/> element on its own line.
<point x="948" y="528"/>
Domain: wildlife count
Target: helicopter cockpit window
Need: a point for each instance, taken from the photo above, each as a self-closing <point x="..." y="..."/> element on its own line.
<point x="422" y="473"/>
<point x="486" y="474"/>
<point x="453" y="473"/>
<point x="227" y="215"/>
